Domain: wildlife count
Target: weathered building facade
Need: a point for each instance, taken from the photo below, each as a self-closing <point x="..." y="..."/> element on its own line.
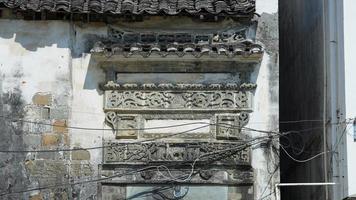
<point x="138" y="100"/>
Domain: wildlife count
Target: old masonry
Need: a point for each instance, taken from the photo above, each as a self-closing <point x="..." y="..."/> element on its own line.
<point x="138" y="99"/>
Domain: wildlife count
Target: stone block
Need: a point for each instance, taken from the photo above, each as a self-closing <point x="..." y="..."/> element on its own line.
<point x="81" y="155"/>
<point x="43" y="99"/>
<point x="36" y="197"/>
<point x="38" y="127"/>
<point x="110" y="192"/>
<point x="37" y="112"/>
<point x="32" y="141"/>
<point x="47" y="169"/>
<point x="60" y="126"/>
<point x="49" y="155"/>
<point x="62" y="195"/>
<point x="78" y="169"/>
<point x="50" y="139"/>
<point x="59" y="112"/>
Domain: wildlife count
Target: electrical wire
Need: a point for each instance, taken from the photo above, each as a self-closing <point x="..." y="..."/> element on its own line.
<point x="240" y="147"/>
<point x="87" y="181"/>
<point x="117" y="175"/>
<point x="148" y="140"/>
<point x="147" y="192"/>
<point x="76" y="183"/>
<point x="269" y="181"/>
<point x="306" y="160"/>
<point x="270" y="194"/>
<point x="101" y="147"/>
<point x="8" y="118"/>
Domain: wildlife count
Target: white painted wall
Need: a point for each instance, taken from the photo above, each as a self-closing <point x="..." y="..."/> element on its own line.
<point x="266" y="6"/>
<point x="38" y="53"/>
<point x="350" y="78"/>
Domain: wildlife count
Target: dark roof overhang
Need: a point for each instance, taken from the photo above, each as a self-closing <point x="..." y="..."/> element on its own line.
<point x="138" y="7"/>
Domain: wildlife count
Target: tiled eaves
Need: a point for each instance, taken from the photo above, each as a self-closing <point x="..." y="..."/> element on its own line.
<point x="137" y="7"/>
<point x="244" y="49"/>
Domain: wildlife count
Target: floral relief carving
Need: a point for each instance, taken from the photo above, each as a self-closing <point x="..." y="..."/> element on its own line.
<point x="176" y="99"/>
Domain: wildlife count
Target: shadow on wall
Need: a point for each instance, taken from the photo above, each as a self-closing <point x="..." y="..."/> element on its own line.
<point x="94" y="77"/>
<point x="33" y="35"/>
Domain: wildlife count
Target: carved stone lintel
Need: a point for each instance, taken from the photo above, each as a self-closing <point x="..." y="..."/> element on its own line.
<point x="161" y="176"/>
<point x="136" y="100"/>
<point x="125" y="153"/>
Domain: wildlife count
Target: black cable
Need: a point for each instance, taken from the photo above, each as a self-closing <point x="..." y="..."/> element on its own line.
<point x="94" y="180"/>
<point x="240" y="147"/>
<point x="267" y="195"/>
<point x="99" y="147"/>
<point x="269" y="181"/>
<point x="125" y="129"/>
<point x="76" y="183"/>
<point x="137" y="142"/>
<point x="146" y="193"/>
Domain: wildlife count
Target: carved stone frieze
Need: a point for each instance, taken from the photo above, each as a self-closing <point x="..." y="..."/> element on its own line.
<point x="130" y="100"/>
<point x="156" y="152"/>
<point x="111" y="85"/>
<point x="128" y="105"/>
<point x="224" y="176"/>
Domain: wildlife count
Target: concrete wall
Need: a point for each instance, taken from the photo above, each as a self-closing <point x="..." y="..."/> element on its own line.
<point x="47" y="75"/>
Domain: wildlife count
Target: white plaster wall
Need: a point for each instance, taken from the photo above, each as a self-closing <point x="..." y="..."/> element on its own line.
<point x="265" y="113"/>
<point x="35" y="57"/>
<point x="350" y="73"/>
<point x="264" y="117"/>
<point x="87" y="106"/>
<point x="266" y="6"/>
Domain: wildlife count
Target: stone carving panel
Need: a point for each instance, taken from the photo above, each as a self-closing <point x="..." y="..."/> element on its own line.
<point x="131" y="100"/>
<point x="229" y="126"/>
<point x="227" y="176"/>
<point x="128" y="105"/>
<point x="155" y="152"/>
<point x="129" y="108"/>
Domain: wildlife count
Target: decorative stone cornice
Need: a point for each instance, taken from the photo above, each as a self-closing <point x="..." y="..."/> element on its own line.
<point x="111" y="85"/>
<point x="138" y="7"/>
<point x="232" y="43"/>
<point x="229" y="50"/>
